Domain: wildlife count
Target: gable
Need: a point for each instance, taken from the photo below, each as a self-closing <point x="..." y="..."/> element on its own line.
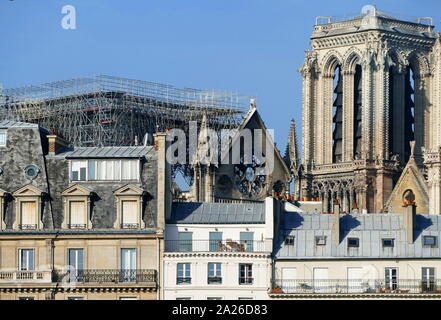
<point x="28" y="190"/>
<point x="410" y="179"/>
<point x="76" y="190"/>
<point x="128" y="190"/>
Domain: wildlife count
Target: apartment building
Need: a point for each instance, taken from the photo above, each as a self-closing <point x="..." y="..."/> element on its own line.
<point x="79" y="223"/>
<point x="218" y="250"/>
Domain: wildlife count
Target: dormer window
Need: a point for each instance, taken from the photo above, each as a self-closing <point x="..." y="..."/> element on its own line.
<point x="429" y="241"/>
<point x="129" y="204"/>
<point x="76" y="207"/>
<point x="320" y="240"/>
<point x="388" y="243"/>
<point x="105" y="170"/>
<point x="28" y="208"/>
<point x="2" y="138"/>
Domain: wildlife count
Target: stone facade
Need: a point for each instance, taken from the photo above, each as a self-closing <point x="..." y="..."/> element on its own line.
<point x="370" y="87"/>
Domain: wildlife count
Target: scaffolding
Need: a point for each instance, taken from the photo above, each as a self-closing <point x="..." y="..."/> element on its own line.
<point x="109" y="111"/>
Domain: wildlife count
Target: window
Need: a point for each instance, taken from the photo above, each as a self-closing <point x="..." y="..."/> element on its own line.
<point x="105" y="170"/>
<point x="214" y="273"/>
<point x="214" y="298"/>
<point x="289" y="240"/>
<point x="79" y="169"/>
<point x="215" y="241"/>
<point x="128" y="265"/>
<point x="76" y="265"/>
<point x="28" y="214"/>
<point x="245" y="273"/>
<point x="2" y="138"/>
<point x="26" y="298"/>
<point x="429" y="241"/>
<point x="183" y="273"/>
<point x="388" y="243"/>
<point x="130" y="210"/>
<point x="353" y="242"/>
<point x="320" y="240"/>
<point x="428" y="283"/>
<point x="185" y="241"/>
<point x="245" y="298"/>
<point x="391" y="278"/>
<point x="246" y="241"/>
<point x="26" y="259"/>
<point x="77" y="215"/>
<point x="183" y="298"/>
<point x="75" y="298"/>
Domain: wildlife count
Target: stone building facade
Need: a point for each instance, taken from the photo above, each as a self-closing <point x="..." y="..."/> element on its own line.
<point x="80" y="223"/>
<point x="370" y="88"/>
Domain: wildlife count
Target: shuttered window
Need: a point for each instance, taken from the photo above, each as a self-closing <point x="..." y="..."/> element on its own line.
<point x="129" y="212"/>
<point x="77" y="212"/>
<point x="28" y="214"/>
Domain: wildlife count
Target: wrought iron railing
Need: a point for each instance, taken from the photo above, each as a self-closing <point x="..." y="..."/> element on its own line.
<point x="354" y="286"/>
<point x="212" y="280"/>
<point x="214" y="246"/>
<point x="182" y="280"/>
<point x="243" y="280"/>
<point x="27" y="226"/>
<point x="76" y="226"/>
<point x="130" y="226"/>
<point x="105" y="276"/>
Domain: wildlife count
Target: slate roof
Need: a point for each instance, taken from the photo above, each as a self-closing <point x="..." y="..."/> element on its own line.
<point x="217" y="213"/>
<point x="105" y="152"/>
<point x="7" y="124"/>
<point x="370" y="229"/>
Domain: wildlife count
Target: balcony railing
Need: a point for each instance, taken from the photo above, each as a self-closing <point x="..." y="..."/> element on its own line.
<point x="105" y="276"/>
<point x="76" y="226"/>
<point x="27" y="226"/>
<point x="214" y="246"/>
<point x="356" y="286"/>
<point x="243" y="280"/>
<point x="214" y="280"/>
<point x="25" y="276"/>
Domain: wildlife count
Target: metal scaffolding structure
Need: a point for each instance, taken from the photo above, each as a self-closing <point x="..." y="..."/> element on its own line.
<point x="109" y="111"/>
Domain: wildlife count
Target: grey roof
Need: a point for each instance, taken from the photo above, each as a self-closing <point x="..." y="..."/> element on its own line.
<point x="217" y="213"/>
<point x="105" y="152"/>
<point x="370" y="229"/>
<point x="7" y="124"/>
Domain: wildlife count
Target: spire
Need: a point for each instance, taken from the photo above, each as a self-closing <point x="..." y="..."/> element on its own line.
<point x="291" y="157"/>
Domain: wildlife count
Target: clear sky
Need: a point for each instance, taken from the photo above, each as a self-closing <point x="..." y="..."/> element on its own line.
<point x="253" y="47"/>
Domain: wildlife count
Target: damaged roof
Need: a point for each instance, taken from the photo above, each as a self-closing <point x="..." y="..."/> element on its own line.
<point x="105" y="152"/>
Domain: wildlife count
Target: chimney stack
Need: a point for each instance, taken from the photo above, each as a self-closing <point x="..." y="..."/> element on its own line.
<point x="56" y="143"/>
<point x="164" y="194"/>
<point x="410" y="220"/>
<point x="336" y="223"/>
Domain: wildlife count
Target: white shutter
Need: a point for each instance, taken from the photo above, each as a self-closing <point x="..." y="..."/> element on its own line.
<point x="129" y="212"/>
<point x="321" y="282"/>
<point x="77" y="212"/>
<point x="289" y="277"/>
<point x="355" y="276"/>
<point x="29" y="212"/>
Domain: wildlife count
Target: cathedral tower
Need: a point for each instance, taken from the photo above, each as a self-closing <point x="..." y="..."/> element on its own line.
<point x="367" y="93"/>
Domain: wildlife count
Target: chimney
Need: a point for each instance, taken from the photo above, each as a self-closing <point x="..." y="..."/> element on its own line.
<point x="56" y="143"/>
<point x="410" y="219"/>
<point x="164" y="194"/>
<point x="335" y="232"/>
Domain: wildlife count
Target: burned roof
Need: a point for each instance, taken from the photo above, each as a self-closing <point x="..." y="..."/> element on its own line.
<point x="105" y="152"/>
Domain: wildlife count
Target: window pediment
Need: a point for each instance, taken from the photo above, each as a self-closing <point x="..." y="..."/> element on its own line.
<point x="128" y="190"/>
<point x="28" y="191"/>
<point x="77" y="190"/>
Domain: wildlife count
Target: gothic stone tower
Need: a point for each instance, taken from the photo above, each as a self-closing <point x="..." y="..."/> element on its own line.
<point x="367" y="93"/>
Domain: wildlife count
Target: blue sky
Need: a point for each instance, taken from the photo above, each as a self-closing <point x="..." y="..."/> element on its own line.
<point x="253" y="47"/>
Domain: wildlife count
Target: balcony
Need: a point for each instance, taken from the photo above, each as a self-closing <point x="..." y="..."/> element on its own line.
<point x="25" y="276"/>
<point x="214" y="246"/>
<point x="361" y="286"/>
<point x="91" y="276"/>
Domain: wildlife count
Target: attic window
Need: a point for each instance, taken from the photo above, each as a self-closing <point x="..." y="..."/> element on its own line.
<point x="2" y="138"/>
<point x="320" y="240"/>
<point x="429" y="241"/>
<point x="388" y="243"/>
<point x="289" y="240"/>
<point x="353" y="242"/>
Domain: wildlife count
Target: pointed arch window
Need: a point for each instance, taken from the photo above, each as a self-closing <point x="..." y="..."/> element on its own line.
<point x="409" y="111"/>
<point x="357" y="111"/>
<point x="337" y="119"/>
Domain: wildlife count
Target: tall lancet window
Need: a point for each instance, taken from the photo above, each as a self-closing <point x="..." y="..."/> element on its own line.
<point x="409" y="112"/>
<point x="357" y="111"/>
<point x="337" y="119"/>
<point x="391" y="122"/>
